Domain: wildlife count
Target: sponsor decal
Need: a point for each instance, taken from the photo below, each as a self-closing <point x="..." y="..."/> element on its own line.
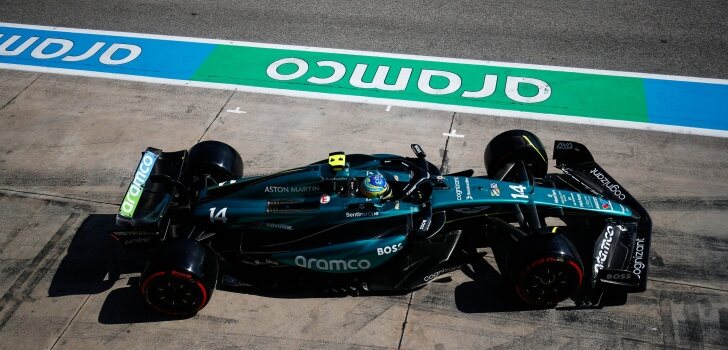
<point x="571" y="199"/>
<point x="138" y="240"/>
<point x="258" y="262"/>
<point x="134" y="237"/>
<point x="607" y="183"/>
<point x="293" y="68"/>
<point x="618" y="276"/>
<point x="458" y="191"/>
<point x="554" y="196"/>
<point x="325" y="199"/>
<point x="562" y="197"/>
<point x="605" y="204"/>
<point x="564" y="145"/>
<point x="468" y="194"/>
<point x="333" y="265"/>
<point x="425" y="225"/>
<point x="438" y="273"/>
<point x="473" y="210"/>
<point x="339" y="178"/>
<point x="134" y="233"/>
<point x="359" y="214"/>
<point x="278" y="226"/>
<point x="604" y="246"/>
<point x="494" y="190"/>
<point x="639" y="252"/>
<point x="131" y="199"/>
<point x="389" y="249"/>
<point x="291" y="189"/>
<point x="55" y="48"/>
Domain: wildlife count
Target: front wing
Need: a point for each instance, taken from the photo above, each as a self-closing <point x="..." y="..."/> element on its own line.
<point x="621" y="252"/>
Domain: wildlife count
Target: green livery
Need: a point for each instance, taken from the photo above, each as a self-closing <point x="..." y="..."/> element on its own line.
<point x="314" y="225"/>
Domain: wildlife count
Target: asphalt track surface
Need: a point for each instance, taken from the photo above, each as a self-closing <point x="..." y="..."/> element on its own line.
<point x="69" y="145"/>
<point x="653" y="36"/>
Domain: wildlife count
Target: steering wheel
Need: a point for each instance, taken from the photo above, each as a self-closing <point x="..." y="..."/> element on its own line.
<point x="419" y="177"/>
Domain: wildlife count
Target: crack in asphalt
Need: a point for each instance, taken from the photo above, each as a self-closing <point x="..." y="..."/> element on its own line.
<point x="217" y="115"/>
<point x="404" y="323"/>
<point x="445" y="159"/>
<point x="687" y="284"/>
<point x="21" y="92"/>
<point x="29" y="194"/>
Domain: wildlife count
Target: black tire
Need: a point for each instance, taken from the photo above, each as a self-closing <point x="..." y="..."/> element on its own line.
<point x="214" y="158"/>
<point x="545" y="270"/>
<point x="515" y="145"/>
<point x="179" y="278"/>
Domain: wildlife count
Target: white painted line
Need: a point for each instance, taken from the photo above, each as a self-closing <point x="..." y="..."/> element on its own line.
<point x="383" y="101"/>
<point x="452" y="134"/>
<point x="388" y="108"/>
<point x="371" y="53"/>
<point x="236" y="111"/>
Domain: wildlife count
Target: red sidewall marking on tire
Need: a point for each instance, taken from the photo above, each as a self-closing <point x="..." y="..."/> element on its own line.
<point x="149" y="279"/>
<point x="539" y="262"/>
<point x="188" y="277"/>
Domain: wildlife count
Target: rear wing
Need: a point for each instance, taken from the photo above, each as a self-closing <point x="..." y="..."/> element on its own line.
<point x="575" y="160"/>
<point x="151" y="189"/>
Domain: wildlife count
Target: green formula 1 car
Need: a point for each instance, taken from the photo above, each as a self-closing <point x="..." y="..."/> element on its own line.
<point x="383" y="223"/>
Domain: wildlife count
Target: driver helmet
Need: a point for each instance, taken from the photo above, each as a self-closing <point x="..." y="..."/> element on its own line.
<point x="375" y="186"/>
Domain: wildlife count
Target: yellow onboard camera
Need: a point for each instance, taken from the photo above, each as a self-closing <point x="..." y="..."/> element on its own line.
<point x="337" y="160"/>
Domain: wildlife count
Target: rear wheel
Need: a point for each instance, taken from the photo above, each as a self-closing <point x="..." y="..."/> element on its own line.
<point x="179" y="278"/>
<point x="545" y="270"/>
<point x="216" y="159"/>
<point x="512" y="146"/>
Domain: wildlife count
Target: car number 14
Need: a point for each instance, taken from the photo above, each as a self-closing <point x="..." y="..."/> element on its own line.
<point x="219" y="215"/>
<point x="520" y="191"/>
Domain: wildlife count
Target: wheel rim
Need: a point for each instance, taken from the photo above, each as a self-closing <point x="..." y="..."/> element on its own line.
<point x="174" y="293"/>
<point x="549" y="281"/>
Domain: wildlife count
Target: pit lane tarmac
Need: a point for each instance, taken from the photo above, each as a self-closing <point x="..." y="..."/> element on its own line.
<point x="70" y="145"/>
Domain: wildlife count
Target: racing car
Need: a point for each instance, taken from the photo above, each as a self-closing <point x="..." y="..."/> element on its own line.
<point x="383" y="222"/>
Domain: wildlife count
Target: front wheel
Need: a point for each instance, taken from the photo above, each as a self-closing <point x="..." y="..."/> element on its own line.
<point x="179" y="278"/>
<point x="548" y="281"/>
<point x="545" y="270"/>
<point x="512" y="146"/>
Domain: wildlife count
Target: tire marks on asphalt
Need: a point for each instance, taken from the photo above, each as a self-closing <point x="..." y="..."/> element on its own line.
<point x="692" y="328"/>
<point x="666" y="323"/>
<point x="685" y="203"/>
<point x="33" y="274"/>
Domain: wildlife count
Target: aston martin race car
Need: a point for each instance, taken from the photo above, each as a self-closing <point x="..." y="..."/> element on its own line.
<point x="382" y="222"/>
